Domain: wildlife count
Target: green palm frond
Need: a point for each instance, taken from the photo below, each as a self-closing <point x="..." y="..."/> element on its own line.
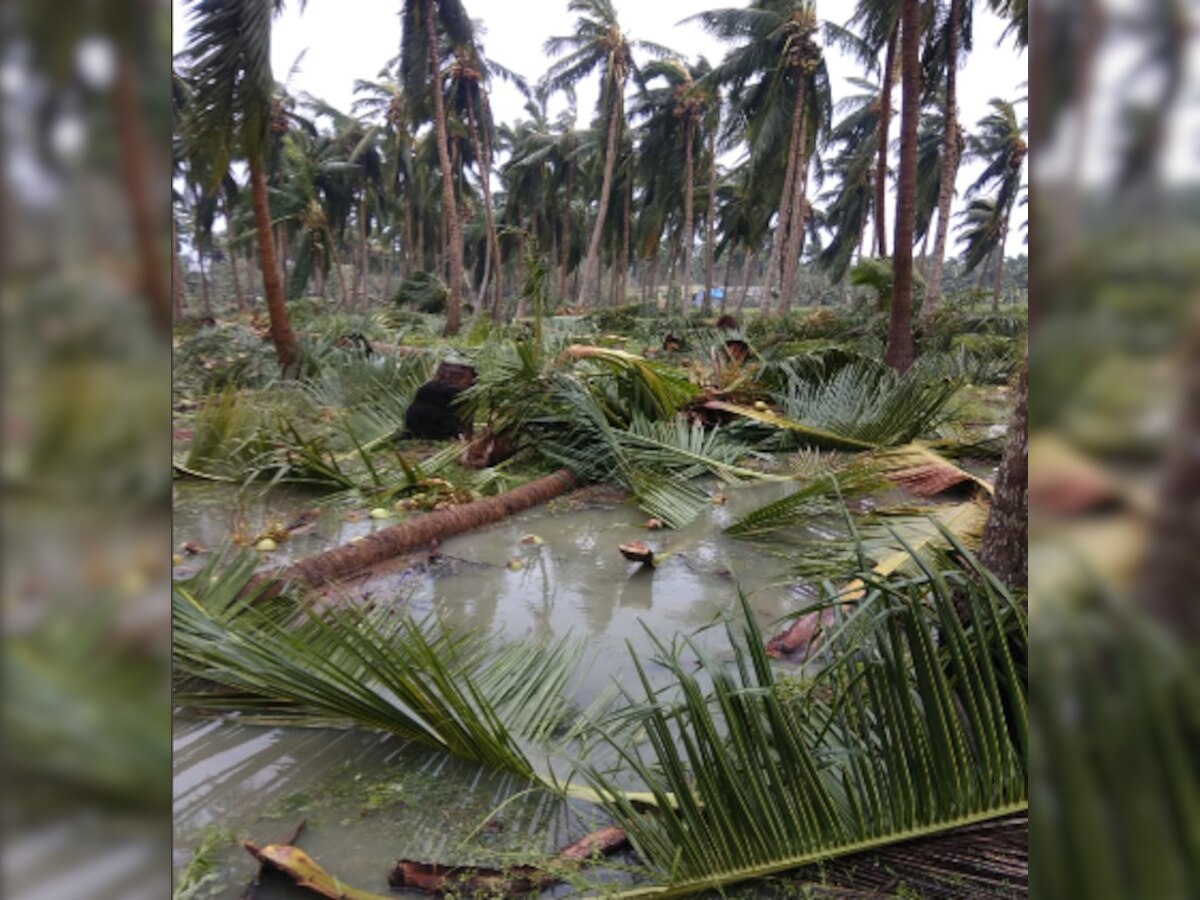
<point x="916" y="738"/>
<point x="377" y="668"/>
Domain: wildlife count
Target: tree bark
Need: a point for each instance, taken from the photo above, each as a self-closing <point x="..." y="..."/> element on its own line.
<point x="286" y="347"/>
<point x="351" y="559"/>
<point x="1004" y="549"/>
<point x="364" y="256"/>
<point x="449" y="211"/>
<point x="950" y="156"/>
<point x="885" y="115"/>
<point x="899" y="353"/>
<point x="610" y="160"/>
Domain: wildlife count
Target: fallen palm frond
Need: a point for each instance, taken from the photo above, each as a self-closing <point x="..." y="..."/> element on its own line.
<point x="947" y="527"/>
<point x="376" y="668"/>
<point x="813" y="434"/>
<point x="306" y="872"/>
<point x="914" y="467"/>
<point x="922" y="472"/>
<point x="916" y="740"/>
<point x="659" y="391"/>
<point x="861" y="406"/>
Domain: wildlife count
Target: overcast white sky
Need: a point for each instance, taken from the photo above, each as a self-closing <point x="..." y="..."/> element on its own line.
<point x="351" y="39"/>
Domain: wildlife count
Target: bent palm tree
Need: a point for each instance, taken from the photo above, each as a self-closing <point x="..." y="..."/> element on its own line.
<point x="229" y="57"/>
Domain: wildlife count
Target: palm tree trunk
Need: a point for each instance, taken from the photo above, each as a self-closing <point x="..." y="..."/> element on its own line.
<point x="708" y="221"/>
<point x="414" y="534"/>
<point x="318" y="269"/>
<point x="449" y="211"/>
<point x="950" y="155"/>
<point x="746" y="266"/>
<point x="233" y="271"/>
<point x="610" y="161"/>
<point x="899" y="353"/>
<point x="337" y="265"/>
<point x="654" y="280"/>
<point x="140" y="180"/>
<point x="363" y="254"/>
<point x="203" y="282"/>
<point x="389" y="264"/>
<point x="885" y="115"/>
<point x="626" y="238"/>
<point x="998" y="277"/>
<point x="281" y="242"/>
<point x="785" y="198"/>
<point x="565" y="249"/>
<point x="176" y="275"/>
<point x="791" y="259"/>
<point x="689" y="224"/>
<point x="1004" y="549"/>
<point x="728" y="270"/>
<point x="491" y="244"/>
<point x="284" y="339"/>
<point x="671" y="276"/>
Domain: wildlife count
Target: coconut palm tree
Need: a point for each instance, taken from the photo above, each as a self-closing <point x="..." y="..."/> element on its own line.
<point x="598" y="44"/>
<point x="229" y="58"/>
<point x="899" y="351"/>
<point x="878" y="23"/>
<point x="778" y="84"/>
<point x="421" y="70"/>
<point x="849" y="205"/>
<point x="1000" y="143"/>
<point x="953" y="34"/>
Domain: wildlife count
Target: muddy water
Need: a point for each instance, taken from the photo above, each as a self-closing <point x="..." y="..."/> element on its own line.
<point x="369" y="800"/>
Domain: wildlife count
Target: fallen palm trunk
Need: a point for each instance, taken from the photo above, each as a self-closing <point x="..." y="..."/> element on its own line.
<point x="433" y="878"/>
<point x="351" y="559"/>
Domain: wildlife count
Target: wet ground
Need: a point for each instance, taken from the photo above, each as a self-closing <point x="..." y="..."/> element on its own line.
<point x="369" y="800"/>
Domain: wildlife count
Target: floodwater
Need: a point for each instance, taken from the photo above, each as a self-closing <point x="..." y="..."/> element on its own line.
<point x="367" y="800"/>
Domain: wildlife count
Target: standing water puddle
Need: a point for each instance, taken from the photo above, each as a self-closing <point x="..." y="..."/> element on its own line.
<point x="369" y="800"/>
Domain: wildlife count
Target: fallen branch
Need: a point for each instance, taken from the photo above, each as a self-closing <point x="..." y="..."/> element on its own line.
<point x="433" y="878"/>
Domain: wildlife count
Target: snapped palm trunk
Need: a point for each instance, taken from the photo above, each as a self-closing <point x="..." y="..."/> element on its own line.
<point x="282" y="336"/>
<point x="899" y="353"/>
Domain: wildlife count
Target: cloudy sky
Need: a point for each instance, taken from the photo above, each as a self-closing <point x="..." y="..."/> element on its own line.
<point x="353" y="39"/>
